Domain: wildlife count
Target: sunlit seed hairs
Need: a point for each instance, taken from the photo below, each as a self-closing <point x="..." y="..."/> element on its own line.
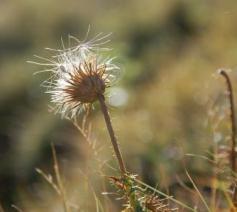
<point x="78" y="75"/>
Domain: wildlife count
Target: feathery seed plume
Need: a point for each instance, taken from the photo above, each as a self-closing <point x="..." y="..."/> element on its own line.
<point x="78" y="75"/>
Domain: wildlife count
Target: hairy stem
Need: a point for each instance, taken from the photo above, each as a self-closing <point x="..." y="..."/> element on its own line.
<point x="114" y="142"/>
<point x="233" y="127"/>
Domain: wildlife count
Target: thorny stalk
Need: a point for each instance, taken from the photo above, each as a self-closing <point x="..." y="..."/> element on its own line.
<point x="233" y="128"/>
<point x="118" y="154"/>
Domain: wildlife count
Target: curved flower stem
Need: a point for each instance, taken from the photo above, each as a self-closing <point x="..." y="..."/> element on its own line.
<point x="114" y="142"/>
<point x="233" y="128"/>
<point x="232" y="117"/>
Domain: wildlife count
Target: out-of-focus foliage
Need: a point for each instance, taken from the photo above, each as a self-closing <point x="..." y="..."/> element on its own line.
<point x="168" y="51"/>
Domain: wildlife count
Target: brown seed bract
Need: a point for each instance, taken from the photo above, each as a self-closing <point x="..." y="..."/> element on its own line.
<point x="86" y="85"/>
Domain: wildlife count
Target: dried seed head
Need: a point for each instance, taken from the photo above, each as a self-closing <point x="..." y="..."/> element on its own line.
<point x="83" y="84"/>
<point x="85" y="87"/>
<point x="79" y="75"/>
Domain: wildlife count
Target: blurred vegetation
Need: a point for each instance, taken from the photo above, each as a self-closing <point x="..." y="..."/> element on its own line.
<point x="168" y="51"/>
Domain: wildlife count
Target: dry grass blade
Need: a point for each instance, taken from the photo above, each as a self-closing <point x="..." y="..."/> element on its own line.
<point x="199" y="193"/>
<point x="59" y="180"/>
<point x="99" y="206"/>
<point x="49" y="179"/>
<point x="228" y="198"/>
<point x="15" y="207"/>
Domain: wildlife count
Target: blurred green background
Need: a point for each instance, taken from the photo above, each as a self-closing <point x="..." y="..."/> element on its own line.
<point x="168" y="51"/>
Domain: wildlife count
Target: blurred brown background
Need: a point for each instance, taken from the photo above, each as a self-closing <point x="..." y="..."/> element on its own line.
<point x="168" y="51"/>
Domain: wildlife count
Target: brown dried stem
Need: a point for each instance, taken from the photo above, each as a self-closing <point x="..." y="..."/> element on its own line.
<point x="233" y="127"/>
<point x="114" y="142"/>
